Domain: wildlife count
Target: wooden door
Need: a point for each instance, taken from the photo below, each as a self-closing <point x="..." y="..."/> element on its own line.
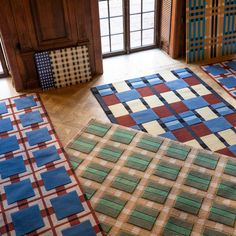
<point x="29" y="26"/>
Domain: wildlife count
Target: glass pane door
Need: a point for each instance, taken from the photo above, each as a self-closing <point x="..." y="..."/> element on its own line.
<point x="112" y="25"/>
<point x="127" y="25"/>
<point x="142" y="23"/>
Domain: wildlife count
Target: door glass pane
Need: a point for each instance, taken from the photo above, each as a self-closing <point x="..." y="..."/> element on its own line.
<point x="104" y="27"/>
<point x="117" y="42"/>
<point x="135" y="22"/>
<point x="135" y="6"/>
<point x="103" y="9"/>
<point x="135" y="39"/>
<point x="105" y="45"/>
<point x="148" y="20"/>
<point x="148" y="5"/>
<point x="116" y="8"/>
<point x="117" y="25"/>
<point x="148" y="37"/>
<point x="111" y="25"/>
<point x="143" y="22"/>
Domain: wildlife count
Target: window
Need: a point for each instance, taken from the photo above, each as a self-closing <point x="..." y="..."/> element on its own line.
<point x="3" y="66"/>
<point x="127" y="25"/>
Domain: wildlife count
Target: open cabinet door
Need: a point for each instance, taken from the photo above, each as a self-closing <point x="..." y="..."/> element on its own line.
<point x="29" y="26"/>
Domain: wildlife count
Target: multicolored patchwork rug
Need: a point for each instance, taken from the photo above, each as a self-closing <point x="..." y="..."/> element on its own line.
<point x="210" y="29"/>
<point x="177" y="105"/>
<point x="139" y="184"/>
<point x="223" y="73"/>
<point x="40" y="194"/>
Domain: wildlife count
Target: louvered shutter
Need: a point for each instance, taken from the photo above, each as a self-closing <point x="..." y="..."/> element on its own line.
<point x="165" y="27"/>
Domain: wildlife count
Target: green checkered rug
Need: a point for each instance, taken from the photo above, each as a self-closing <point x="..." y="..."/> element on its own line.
<point x="143" y="185"/>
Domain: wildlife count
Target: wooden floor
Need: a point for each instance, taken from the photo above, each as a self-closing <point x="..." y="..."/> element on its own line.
<point x="71" y="108"/>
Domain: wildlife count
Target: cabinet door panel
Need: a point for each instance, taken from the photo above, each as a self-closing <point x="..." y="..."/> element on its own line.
<point x="52" y="22"/>
<point x="22" y="22"/>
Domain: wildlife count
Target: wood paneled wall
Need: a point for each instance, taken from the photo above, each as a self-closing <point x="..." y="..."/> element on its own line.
<point x="29" y="26"/>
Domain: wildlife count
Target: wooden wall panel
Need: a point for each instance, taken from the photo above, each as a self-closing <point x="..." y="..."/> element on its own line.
<point x="177" y="47"/>
<point x="10" y="39"/>
<point x="50" y="19"/>
<point x="45" y="25"/>
<point x="22" y="25"/>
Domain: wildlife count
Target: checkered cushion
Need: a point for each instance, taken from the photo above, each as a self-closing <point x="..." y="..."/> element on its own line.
<point x="63" y="67"/>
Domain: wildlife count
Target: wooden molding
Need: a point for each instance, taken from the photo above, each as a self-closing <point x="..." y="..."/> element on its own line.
<point x="94" y="11"/>
<point x="178" y="31"/>
<point x="9" y="39"/>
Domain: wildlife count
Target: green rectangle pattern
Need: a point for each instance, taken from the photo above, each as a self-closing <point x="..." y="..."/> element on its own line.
<point x="110" y="153"/>
<point x="188" y="203"/>
<point x="110" y="205"/>
<point x="167" y="170"/>
<point x="96" y="172"/>
<point x="138" y="161"/>
<point x="149" y="143"/>
<point x="156" y="192"/>
<point x="177" y="151"/>
<point x="97" y="129"/>
<point x="143" y="217"/>
<point x="198" y="180"/>
<point x="223" y="214"/>
<point x="206" y="160"/>
<point x="177" y="227"/>
<point x="123" y="136"/>
<point x="125" y="182"/>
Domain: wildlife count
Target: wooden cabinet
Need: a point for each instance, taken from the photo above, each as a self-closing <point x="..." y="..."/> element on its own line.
<point x="29" y="26"/>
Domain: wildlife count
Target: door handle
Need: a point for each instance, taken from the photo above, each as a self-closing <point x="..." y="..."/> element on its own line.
<point x="18" y="46"/>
